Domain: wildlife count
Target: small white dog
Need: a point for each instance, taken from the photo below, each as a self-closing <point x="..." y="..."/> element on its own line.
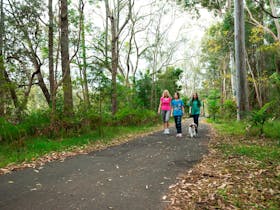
<point x="192" y="130"/>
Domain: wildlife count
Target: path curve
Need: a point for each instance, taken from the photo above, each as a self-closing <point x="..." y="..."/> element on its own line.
<point x="134" y="175"/>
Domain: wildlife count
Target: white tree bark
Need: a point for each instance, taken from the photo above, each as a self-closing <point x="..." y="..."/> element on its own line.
<point x="276" y="20"/>
<point x="242" y="86"/>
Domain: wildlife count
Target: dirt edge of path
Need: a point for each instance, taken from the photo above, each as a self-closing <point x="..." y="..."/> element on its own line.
<point x="222" y="181"/>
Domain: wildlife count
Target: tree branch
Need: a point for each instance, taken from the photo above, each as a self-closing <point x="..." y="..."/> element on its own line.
<point x="257" y="23"/>
<point x="261" y="3"/>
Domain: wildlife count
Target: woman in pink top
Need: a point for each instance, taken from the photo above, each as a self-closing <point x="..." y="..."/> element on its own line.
<point x="165" y="107"/>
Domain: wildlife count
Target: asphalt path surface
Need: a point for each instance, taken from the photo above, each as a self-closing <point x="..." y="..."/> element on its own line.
<point x="131" y="176"/>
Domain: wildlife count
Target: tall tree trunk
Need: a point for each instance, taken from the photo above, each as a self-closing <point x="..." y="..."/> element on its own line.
<point x="85" y="82"/>
<point x="65" y="65"/>
<point x="114" y="65"/>
<point x="276" y="20"/>
<point x="256" y="86"/>
<point x="232" y="75"/>
<point x="242" y="86"/>
<point x="106" y="31"/>
<point x="277" y="26"/>
<point x="115" y="33"/>
<point x="224" y="79"/>
<point x="2" y="67"/>
<point x="51" y="60"/>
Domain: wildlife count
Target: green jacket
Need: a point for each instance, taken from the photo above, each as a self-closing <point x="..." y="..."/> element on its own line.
<point x="194" y="106"/>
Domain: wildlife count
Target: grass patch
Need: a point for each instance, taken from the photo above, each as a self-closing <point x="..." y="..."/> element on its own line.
<point x="272" y="129"/>
<point x="260" y="153"/>
<point x="229" y="127"/>
<point x="238" y="128"/>
<point x="253" y="156"/>
<point x="30" y="149"/>
<point x="265" y="154"/>
<point x="238" y="142"/>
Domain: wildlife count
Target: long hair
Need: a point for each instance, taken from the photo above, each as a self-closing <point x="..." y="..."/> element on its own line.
<point x="199" y="103"/>
<point x="163" y="94"/>
<point x="178" y="94"/>
<point x="195" y="98"/>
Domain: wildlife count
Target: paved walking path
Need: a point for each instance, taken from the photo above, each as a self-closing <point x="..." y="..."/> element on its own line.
<point x="135" y="175"/>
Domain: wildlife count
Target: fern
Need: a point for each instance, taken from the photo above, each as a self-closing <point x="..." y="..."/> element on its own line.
<point x="259" y="117"/>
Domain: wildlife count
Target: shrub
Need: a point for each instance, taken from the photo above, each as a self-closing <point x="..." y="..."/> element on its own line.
<point x="272" y="128"/>
<point x="258" y="118"/>
<point x="213" y="104"/>
<point x="36" y="121"/>
<point x="8" y="131"/>
<point x="127" y="116"/>
<point x="229" y="109"/>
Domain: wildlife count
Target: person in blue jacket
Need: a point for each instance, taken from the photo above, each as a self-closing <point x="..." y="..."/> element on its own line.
<point x="177" y="110"/>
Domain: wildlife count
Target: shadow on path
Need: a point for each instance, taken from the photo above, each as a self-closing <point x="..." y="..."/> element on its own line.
<point x="135" y="175"/>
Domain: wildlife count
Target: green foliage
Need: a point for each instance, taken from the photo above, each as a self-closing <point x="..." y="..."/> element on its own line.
<point x="38" y="123"/>
<point x="143" y="90"/>
<point x="128" y="116"/>
<point x="213" y="103"/>
<point x="259" y="117"/>
<point x="271" y="129"/>
<point x="33" y="148"/>
<point x="230" y="127"/>
<point x="240" y="128"/>
<point x="34" y="122"/>
<point x="168" y="79"/>
<point x="275" y="93"/>
<point x="8" y="131"/>
<point x="265" y="153"/>
<point x="275" y="79"/>
<point x="261" y="153"/>
<point x="229" y="109"/>
<point x="31" y="125"/>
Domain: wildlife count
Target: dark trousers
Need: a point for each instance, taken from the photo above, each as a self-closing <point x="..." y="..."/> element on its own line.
<point x="195" y="120"/>
<point x="178" y="123"/>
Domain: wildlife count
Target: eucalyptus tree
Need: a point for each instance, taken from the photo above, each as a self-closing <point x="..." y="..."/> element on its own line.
<point x="78" y="19"/>
<point x="51" y="54"/>
<point x="24" y="44"/>
<point x="2" y="78"/>
<point x="84" y="54"/>
<point x="65" y="62"/>
<point x="160" y="53"/>
<point x="133" y="45"/>
<point x="270" y="24"/>
<point x="241" y="74"/>
<point x="114" y="10"/>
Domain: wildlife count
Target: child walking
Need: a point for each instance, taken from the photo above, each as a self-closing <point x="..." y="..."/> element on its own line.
<point x="195" y="105"/>
<point x="164" y="108"/>
<point x="177" y="111"/>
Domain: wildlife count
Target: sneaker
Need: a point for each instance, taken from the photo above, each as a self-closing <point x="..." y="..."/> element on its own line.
<point x="164" y="132"/>
<point x="167" y="131"/>
<point x="179" y="135"/>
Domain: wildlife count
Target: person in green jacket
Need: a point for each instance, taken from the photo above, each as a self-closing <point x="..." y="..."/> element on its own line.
<point x="195" y="105"/>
